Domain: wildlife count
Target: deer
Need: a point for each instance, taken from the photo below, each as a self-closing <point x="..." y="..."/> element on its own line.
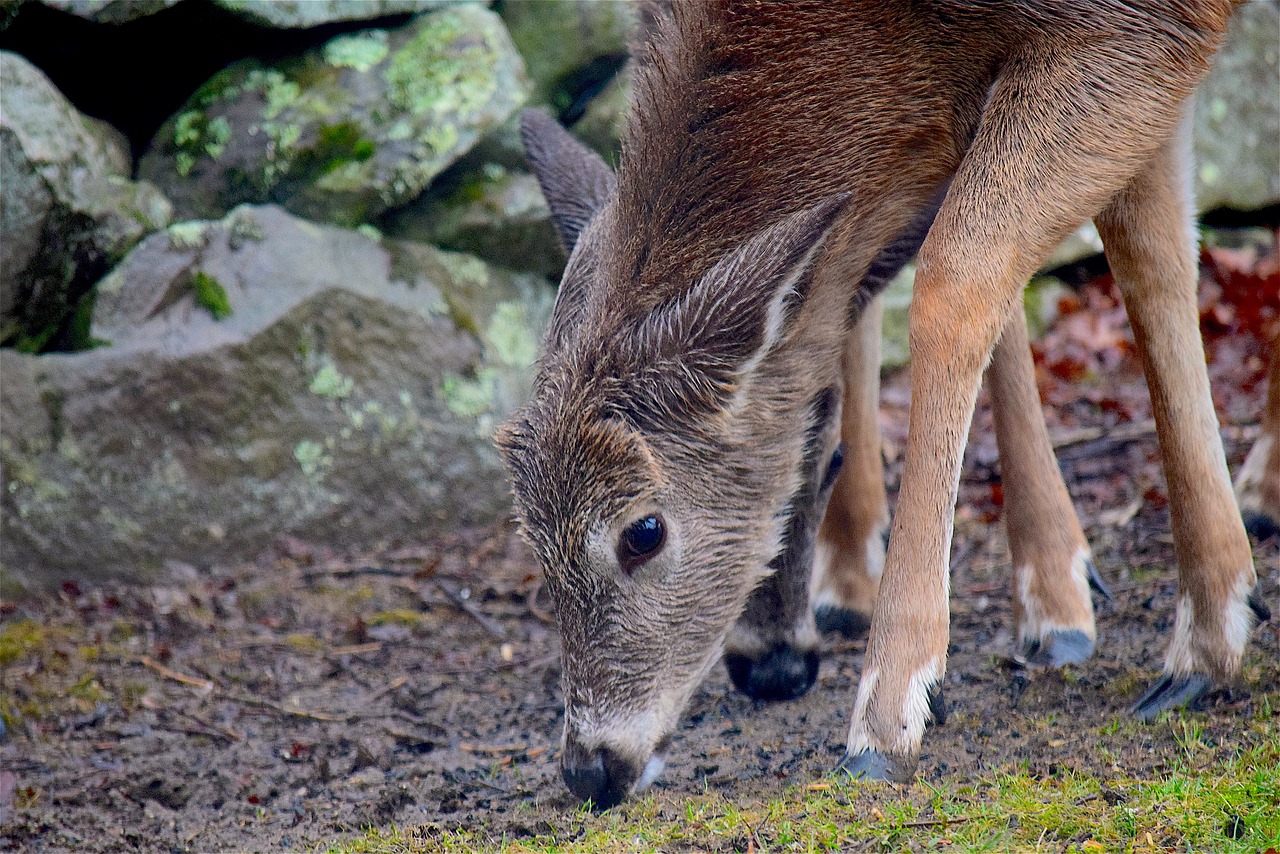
<point x="697" y="469"/>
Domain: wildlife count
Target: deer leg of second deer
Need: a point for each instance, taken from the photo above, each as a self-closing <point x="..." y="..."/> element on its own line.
<point x="772" y="651"/>
<point x="1052" y="566"/>
<point x="1258" y="483"/>
<point x="849" y="556"/>
<point x="1150" y="243"/>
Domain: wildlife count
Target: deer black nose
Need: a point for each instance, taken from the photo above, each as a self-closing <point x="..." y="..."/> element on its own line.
<point x="782" y="673"/>
<point x="598" y="776"/>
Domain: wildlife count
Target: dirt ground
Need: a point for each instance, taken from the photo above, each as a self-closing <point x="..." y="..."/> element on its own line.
<point x="280" y="704"/>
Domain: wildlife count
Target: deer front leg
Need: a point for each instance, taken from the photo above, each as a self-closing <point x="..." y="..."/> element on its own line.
<point x="1258" y="483"/>
<point x="1150" y="243"/>
<point x="772" y="651"/>
<point x="1052" y="566"/>
<point x="850" y="554"/>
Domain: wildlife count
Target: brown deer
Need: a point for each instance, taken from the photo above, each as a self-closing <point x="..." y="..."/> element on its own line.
<point x="781" y="160"/>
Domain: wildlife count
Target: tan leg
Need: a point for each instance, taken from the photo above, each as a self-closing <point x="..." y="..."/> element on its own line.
<point x="1150" y="242"/>
<point x="850" y="553"/>
<point x="1258" y="484"/>
<point x="1051" y="149"/>
<point x="1052" y="565"/>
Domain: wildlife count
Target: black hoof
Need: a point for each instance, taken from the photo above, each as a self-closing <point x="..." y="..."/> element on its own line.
<point x="874" y="765"/>
<point x="852" y="624"/>
<point x="1172" y="692"/>
<point x="937" y="707"/>
<point x="783" y="673"/>
<point x="1260" y="526"/>
<point x="1096" y="584"/>
<point x="1259" y="608"/>
<point x="1070" y="646"/>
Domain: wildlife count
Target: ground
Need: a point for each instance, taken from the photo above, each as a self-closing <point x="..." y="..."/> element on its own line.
<point x="293" y="702"/>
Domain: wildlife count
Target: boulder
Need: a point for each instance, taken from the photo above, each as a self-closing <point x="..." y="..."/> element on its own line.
<point x="345" y="131"/>
<point x="67" y="208"/>
<point x="1237" y="140"/>
<point x="560" y="40"/>
<point x="263" y="376"/>
<point x="491" y="211"/>
<point x="605" y="117"/>
<point x="110" y="11"/>
<point x="298" y="14"/>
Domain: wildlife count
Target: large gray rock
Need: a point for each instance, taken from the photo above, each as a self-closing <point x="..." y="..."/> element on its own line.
<point x="297" y="14"/>
<point x="265" y="376"/>
<point x="605" y="118"/>
<point x="496" y="213"/>
<point x="110" y="11"/>
<point x="343" y="132"/>
<point x="67" y="207"/>
<point x="1237" y="141"/>
<point x="558" y="39"/>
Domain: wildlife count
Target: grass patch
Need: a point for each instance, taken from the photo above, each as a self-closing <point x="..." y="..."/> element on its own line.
<point x="1223" y="798"/>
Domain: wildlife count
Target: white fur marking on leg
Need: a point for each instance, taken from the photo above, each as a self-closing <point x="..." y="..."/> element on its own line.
<point x="1249" y="481"/>
<point x="1180" y="661"/>
<point x="1036" y="624"/>
<point x="1238" y="619"/>
<point x="912" y="718"/>
<point x="875" y="554"/>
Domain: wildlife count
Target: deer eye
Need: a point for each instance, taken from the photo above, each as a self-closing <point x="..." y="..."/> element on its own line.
<point x="640" y="541"/>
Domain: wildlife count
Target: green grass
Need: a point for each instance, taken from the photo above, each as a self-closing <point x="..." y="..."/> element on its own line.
<point x="1205" y="798"/>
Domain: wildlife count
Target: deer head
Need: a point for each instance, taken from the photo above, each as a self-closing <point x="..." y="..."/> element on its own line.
<point x="662" y="462"/>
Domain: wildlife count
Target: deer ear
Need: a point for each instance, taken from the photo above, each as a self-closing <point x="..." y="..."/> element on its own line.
<point x="574" y="179"/>
<point x="744" y="306"/>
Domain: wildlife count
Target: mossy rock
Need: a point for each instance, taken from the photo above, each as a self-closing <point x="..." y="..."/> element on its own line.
<point x="67" y="207"/>
<point x="345" y="131"/>
<point x="264" y="376"/>
<point x="298" y="14"/>
<point x="561" y="40"/>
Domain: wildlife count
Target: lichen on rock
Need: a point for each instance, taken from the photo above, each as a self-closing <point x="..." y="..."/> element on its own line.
<point x="342" y="132"/>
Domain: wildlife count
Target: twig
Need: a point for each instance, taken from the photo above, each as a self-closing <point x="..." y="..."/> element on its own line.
<point x="518" y="747"/>
<point x="531" y="602"/>
<point x="169" y="673"/>
<point x="357" y="648"/>
<point x="387" y="689"/>
<point x="934" y="822"/>
<point x="469" y="608"/>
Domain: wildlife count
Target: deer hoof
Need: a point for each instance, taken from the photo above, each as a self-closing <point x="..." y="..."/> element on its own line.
<point x="874" y="765"/>
<point x="782" y="673"/>
<point x="1096" y="584"/>
<point x="1260" y="526"/>
<point x="1172" y="692"/>
<point x="845" y="621"/>
<point x="1064" y="646"/>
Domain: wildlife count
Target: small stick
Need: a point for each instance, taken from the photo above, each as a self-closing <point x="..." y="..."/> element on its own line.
<point x="387" y="689"/>
<point x="469" y="608"/>
<point x="169" y="673"/>
<point x="357" y="648"/>
<point x="493" y="748"/>
<point x="934" y="822"/>
<point x="531" y="602"/>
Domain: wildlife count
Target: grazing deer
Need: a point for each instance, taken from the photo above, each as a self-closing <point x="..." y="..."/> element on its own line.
<point x="781" y="161"/>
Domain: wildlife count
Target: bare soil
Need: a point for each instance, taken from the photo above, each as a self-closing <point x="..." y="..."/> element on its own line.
<point x="283" y="703"/>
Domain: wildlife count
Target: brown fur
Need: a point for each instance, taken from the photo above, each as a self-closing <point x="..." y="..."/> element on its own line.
<point x="775" y="152"/>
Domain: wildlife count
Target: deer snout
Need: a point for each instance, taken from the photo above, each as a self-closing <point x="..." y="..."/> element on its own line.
<point x="784" y="672"/>
<point x="604" y="776"/>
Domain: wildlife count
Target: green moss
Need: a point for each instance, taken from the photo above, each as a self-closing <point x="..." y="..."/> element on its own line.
<point x="438" y="72"/>
<point x="395" y="617"/>
<point x="510" y="336"/>
<point x="311" y="458"/>
<point x="470" y="398"/>
<point x="329" y="382"/>
<point x="211" y="295"/>
<point x="82" y="324"/>
<point x="186" y="235"/>
<point x="360" y="51"/>
<point x="336" y="146"/>
<point x="20" y="639"/>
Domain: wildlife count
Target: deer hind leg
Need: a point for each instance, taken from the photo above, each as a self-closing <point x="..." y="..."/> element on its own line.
<point x="1147" y="232"/>
<point x="1051" y="148"/>
<point x="1258" y="483"/>
<point x="850" y="553"/>
<point x="1052" y="565"/>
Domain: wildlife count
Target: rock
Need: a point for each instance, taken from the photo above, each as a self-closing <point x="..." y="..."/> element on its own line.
<point x="562" y="39"/>
<point x="605" y="118"/>
<point x="110" y="11"/>
<point x="343" y="132"/>
<point x="1237" y="138"/>
<point x="297" y="14"/>
<point x="1237" y="159"/>
<point x="491" y="211"/>
<point x="67" y="209"/>
<point x="265" y="376"/>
